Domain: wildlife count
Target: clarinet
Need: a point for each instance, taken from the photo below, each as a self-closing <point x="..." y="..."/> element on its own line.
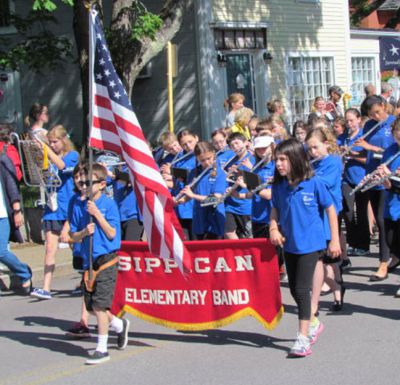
<point x="367" y="183"/>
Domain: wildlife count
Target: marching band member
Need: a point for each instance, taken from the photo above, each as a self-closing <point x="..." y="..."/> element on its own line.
<point x="238" y="211"/>
<point x="299" y="200"/>
<point x="357" y="228"/>
<point x="186" y="161"/>
<point x="375" y="144"/>
<point x="328" y="167"/>
<point x="223" y="152"/>
<point x="261" y="200"/>
<point x="62" y="155"/>
<point x="208" y="179"/>
<point x="392" y="197"/>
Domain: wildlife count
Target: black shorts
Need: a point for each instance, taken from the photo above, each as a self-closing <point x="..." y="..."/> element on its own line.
<point x="239" y="223"/>
<point x="55" y="226"/>
<point x="103" y="290"/>
<point x="77" y="262"/>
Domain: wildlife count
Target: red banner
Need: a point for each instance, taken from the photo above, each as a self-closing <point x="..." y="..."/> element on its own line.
<point x="230" y="279"/>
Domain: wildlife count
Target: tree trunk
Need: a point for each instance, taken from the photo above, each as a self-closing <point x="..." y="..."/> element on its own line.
<point x="129" y="56"/>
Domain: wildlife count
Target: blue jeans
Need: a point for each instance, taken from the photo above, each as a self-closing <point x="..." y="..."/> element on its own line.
<point x="21" y="270"/>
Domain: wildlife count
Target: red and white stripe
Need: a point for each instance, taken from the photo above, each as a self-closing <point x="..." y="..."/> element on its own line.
<point x="116" y="128"/>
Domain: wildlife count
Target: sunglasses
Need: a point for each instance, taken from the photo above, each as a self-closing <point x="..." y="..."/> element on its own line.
<point x="87" y="182"/>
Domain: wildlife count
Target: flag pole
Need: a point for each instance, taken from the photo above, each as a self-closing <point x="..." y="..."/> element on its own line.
<point x="90" y="117"/>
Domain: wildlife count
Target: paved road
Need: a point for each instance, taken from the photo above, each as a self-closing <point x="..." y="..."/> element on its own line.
<point x="359" y="345"/>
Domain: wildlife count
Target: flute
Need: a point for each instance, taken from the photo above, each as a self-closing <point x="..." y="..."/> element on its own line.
<point x="394" y="176"/>
<point x="194" y="182"/>
<point x="367" y="183"/>
<point x="262" y="186"/>
<point x="362" y="137"/>
<point x="177" y="159"/>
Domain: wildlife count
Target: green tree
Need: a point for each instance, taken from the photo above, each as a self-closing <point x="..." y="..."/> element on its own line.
<point x="134" y="36"/>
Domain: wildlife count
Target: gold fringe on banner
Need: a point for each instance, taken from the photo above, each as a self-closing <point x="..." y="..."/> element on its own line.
<point x="206" y="325"/>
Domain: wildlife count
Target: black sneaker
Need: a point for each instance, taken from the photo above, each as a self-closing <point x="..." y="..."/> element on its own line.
<point x="79" y="331"/>
<point x="97" y="358"/>
<point x="122" y="338"/>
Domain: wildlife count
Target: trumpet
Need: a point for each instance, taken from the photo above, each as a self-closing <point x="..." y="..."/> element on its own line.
<point x="370" y="180"/>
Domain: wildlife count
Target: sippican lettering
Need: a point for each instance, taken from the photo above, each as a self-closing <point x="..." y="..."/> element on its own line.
<point x="201" y="265"/>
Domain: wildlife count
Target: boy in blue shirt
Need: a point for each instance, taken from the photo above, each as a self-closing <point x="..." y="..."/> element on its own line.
<point x="105" y="230"/>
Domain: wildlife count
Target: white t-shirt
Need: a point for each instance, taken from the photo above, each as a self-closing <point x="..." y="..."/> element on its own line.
<point x="3" y="208"/>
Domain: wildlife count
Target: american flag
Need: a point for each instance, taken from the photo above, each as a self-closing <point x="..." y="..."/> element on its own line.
<point x="116" y="128"/>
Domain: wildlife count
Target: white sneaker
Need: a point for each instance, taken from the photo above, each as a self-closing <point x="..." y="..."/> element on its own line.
<point x="314" y="331"/>
<point x="301" y="347"/>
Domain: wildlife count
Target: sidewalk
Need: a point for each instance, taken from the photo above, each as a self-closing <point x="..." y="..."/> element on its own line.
<point x="33" y="255"/>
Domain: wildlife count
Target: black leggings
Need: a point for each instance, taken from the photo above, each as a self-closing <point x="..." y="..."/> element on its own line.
<point x="377" y="199"/>
<point x="357" y="227"/>
<point x="300" y="270"/>
<point x="393" y="236"/>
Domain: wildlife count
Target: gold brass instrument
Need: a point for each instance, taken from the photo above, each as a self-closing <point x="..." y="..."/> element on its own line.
<point x="37" y="171"/>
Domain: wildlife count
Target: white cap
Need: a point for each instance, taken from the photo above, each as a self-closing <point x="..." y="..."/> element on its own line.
<point x="263" y="141"/>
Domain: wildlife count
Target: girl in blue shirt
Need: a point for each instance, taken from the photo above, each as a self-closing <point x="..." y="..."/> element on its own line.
<point x="238" y="211"/>
<point x="375" y="144"/>
<point x="63" y="157"/>
<point x="322" y="147"/>
<point x="356" y="221"/>
<point x="392" y="197"/>
<point x="187" y="160"/>
<point x="208" y="222"/>
<point x="219" y="142"/>
<point x="299" y="201"/>
<point x="261" y="201"/>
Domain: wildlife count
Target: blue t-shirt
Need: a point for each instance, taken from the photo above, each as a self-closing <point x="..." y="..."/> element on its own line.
<point x="76" y="198"/>
<point x="65" y="191"/>
<point x="354" y="171"/>
<point x="392" y="200"/>
<point x="184" y="211"/>
<point x="224" y="156"/>
<point x="101" y="244"/>
<point x="260" y="207"/>
<point x="125" y="199"/>
<point x="209" y="219"/>
<point x="329" y="170"/>
<point x="301" y="214"/>
<point x="380" y="137"/>
<point x="235" y="205"/>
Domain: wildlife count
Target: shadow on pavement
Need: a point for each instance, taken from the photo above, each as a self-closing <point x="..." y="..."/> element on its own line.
<point x="219" y="337"/>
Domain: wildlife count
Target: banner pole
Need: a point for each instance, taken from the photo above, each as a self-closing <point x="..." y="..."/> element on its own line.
<point x="170" y="88"/>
